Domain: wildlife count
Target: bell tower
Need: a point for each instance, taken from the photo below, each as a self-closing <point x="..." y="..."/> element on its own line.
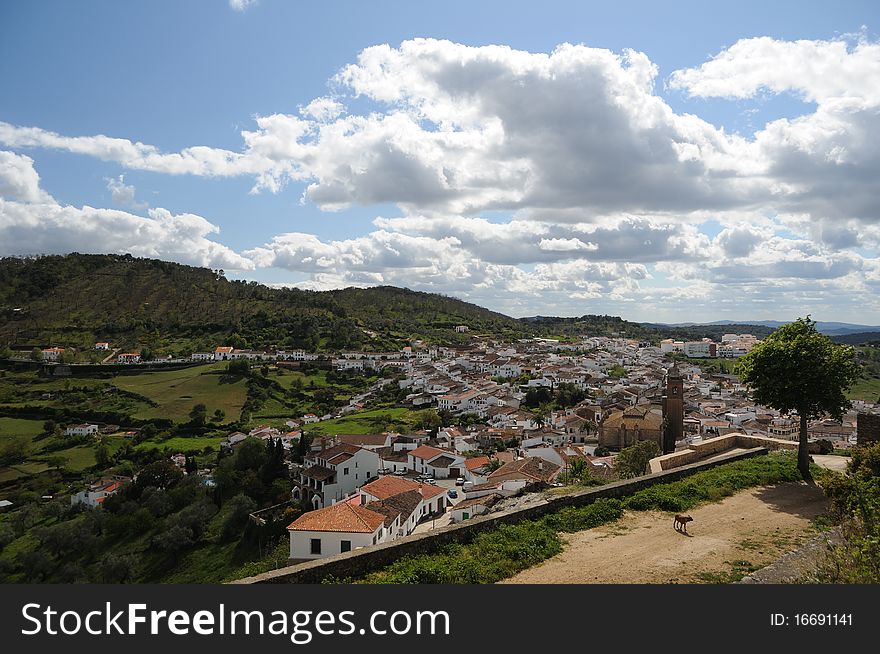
<point x="673" y="409"/>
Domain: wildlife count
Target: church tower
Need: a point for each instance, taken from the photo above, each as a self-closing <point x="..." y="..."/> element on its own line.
<point x="673" y="409"/>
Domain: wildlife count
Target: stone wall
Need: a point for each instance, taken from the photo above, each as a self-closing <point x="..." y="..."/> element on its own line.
<point x="713" y="446"/>
<point x="360" y="562"/>
<point x="868" y="428"/>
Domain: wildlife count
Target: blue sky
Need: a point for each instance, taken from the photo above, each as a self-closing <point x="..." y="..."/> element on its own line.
<point x="773" y="243"/>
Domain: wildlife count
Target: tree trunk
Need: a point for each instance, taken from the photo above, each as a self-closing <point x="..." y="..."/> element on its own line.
<point x="803" y="454"/>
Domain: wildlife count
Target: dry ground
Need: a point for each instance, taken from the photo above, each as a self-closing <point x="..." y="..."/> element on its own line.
<point x="728" y="540"/>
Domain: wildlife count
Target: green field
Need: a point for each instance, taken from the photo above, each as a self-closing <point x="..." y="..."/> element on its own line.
<point x="19" y="427"/>
<point x="183" y="444"/>
<point x="865" y="389"/>
<point x="364" y="422"/>
<point x="177" y="391"/>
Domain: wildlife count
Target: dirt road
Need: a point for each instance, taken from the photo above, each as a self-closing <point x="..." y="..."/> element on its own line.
<point x="727" y="540"/>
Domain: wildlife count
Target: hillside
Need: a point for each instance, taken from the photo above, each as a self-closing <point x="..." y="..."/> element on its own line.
<point x="77" y="299"/>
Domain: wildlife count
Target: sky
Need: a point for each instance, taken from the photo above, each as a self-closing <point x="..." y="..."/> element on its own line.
<point x="664" y="162"/>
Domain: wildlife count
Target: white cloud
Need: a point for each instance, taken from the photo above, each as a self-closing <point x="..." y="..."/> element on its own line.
<point x="32" y="222"/>
<point x="19" y="179"/>
<point x="601" y="187"/>
<point x="818" y="71"/>
<point x="241" y="5"/>
<point x="122" y="193"/>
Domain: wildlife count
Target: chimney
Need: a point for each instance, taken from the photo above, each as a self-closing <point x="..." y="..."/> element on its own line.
<point x="541" y="465"/>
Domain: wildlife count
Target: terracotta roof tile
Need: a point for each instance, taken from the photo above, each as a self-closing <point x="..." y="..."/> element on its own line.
<point x="342" y="517"/>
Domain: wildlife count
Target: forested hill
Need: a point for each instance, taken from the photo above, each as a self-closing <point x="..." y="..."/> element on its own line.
<point x="77" y="298"/>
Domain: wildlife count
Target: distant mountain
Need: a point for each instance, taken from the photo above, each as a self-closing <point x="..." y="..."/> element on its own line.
<point x="858" y="338"/>
<point x="830" y="328"/>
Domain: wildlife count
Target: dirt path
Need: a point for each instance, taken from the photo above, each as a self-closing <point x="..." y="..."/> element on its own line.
<point x="728" y="540"/>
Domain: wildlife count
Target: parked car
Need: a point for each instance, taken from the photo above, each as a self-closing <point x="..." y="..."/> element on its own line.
<point x="428" y="480"/>
<point x="459" y="481"/>
<point x="400" y="472"/>
<point x="452" y="493"/>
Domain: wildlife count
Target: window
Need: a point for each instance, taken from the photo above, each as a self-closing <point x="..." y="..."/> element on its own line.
<point x="316" y="545"/>
<point x="345" y="546"/>
<point x="345" y="471"/>
<point x="465" y="515"/>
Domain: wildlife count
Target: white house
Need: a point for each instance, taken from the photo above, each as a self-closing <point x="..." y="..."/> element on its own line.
<point x="52" y="353"/>
<point x="102" y="346"/>
<point x="382" y="511"/>
<point x="333" y="474"/>
<point x="96" y="493"/>
<point x="461" y="329"/>
<point x="436" y="462"/>
<point x="222" y="353"/>
<point x="468" y="508"/>
<point x="128" y="357"/>
<point x="202" y="356"/>
<point x="81" y="430"/>
<point x="342" y="527"/>
<point x="433" y="498"/>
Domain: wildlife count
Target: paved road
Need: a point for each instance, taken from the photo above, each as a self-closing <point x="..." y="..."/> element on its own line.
<point x="446" y="518"/>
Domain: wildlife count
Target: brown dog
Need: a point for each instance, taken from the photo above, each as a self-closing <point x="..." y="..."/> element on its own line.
<point x="681" y="523"/>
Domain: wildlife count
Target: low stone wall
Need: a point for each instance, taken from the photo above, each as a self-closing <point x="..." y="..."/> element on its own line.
<point x="713" y="446"/>
<point x="360" y="562"/>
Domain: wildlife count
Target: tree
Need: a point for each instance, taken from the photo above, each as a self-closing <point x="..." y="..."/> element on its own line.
<point x="160" y="474"/>
<point x="219" y="414"/>
<point x="237" y="510"/>
<point x="198" y="414"/>
<point x="238" y="367"/>
<point x="102" y="455"/>
<point x="797" y="369"/>
<point x="492" y="466"/>
<point x="633" y="460"/>
<point x="37" y="354"/>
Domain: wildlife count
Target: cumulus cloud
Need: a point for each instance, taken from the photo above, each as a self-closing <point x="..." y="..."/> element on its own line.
<point x="598" y="190"/>
<point x="32" y="222"/>
<point x="19" y="179"/>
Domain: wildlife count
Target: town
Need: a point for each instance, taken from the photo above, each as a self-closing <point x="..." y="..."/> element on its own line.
<point x="504" y="422"/>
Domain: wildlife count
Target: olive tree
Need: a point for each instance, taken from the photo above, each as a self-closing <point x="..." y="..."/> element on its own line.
<point x="797" y="369"/>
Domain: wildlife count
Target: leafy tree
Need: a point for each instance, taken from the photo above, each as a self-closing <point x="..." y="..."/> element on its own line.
<point x="198" y="414"/>
<point x="160" y="474"/>
<point x="37" y="354"/>
<point x="633" y="460"/>
<point x="174" y="540"/>
<point x="426" y="419"/>
<point x="798" y="369"/>
<point x="855" y="498"/>
<point x="118" y="568"/>
<point x="601" y="450"/>
<point x="237" y="510"/>
<point x="492" y="466"/>
<point x="102" y="455"/>
<point x="219" y="414"/>
<point x="13" y="451"/>
<point x="238" y="367"/>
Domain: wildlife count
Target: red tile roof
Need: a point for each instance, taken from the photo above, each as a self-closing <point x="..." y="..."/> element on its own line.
<point x="344" y="517"/>
<point x="389" y="486"/>
<point x="476" y="462"/>
<point x="426" y="452"/>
